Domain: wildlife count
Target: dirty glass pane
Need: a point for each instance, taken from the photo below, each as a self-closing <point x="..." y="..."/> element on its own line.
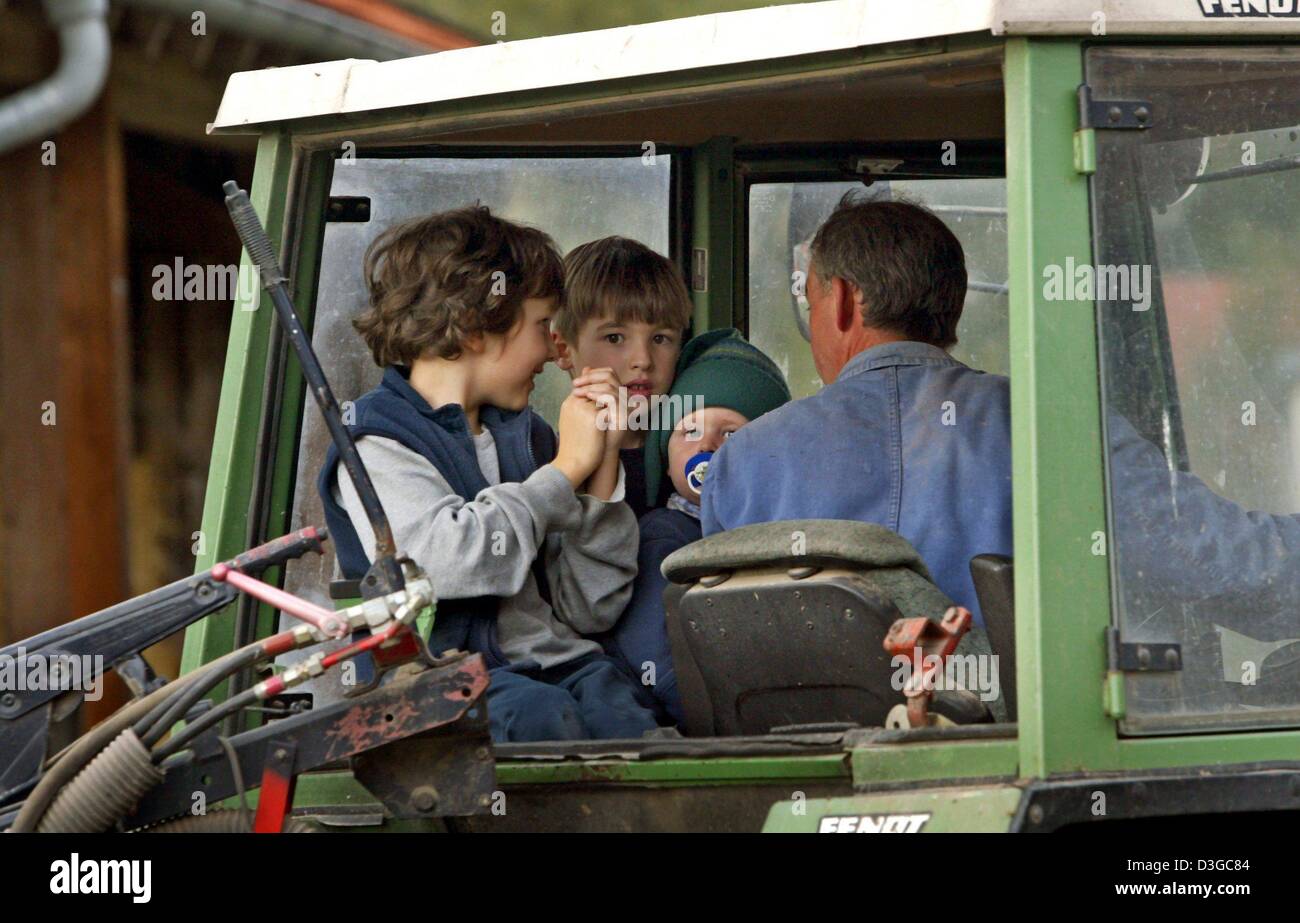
<point x="1196" y="288"/>
<point x="573" y="199"/>
<point x="782" y="220"/>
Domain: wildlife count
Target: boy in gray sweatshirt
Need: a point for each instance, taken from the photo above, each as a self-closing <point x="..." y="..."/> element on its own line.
<point x="527" y="542"/>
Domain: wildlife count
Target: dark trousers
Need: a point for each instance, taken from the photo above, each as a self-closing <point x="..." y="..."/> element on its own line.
<point x="590" y="698"/>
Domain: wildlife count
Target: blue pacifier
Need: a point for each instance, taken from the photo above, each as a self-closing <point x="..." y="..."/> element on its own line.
<point x="696" y="468"/>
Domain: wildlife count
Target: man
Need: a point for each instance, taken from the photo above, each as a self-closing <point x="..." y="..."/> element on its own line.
<point x="903" y="434"/>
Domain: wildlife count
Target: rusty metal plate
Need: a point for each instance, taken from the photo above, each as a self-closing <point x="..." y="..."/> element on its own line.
<point x="446" y="772"/>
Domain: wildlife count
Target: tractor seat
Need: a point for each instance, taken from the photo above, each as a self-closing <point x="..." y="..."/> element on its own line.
<point x="783" y="623"/>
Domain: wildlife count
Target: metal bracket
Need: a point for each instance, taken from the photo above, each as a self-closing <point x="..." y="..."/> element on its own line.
<point x="1121" y="114"/>
<point x="447" y="771"/>
<point x="1142" y="657"/>
<point x="347" y="208"/>
<point x="138" y="675"/>
<point x="700" y="269"/>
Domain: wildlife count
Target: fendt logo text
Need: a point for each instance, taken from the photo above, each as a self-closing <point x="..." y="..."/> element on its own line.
<point x="873" y="823"/>
<point x="1220" y="9"/>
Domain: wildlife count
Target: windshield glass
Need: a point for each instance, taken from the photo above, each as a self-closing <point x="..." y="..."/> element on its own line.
<point x="1195" y="286"/>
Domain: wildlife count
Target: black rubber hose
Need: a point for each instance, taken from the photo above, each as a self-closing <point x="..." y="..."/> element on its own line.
<point x="153" y="726"/>
<point x="196" y="727"/>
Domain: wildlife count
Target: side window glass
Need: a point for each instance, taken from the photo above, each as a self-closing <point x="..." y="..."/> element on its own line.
<point x="1195" y="288"/>
<point x="782" y="220"/>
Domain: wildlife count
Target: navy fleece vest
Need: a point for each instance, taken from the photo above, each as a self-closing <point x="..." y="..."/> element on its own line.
<point x="441" y="436"/>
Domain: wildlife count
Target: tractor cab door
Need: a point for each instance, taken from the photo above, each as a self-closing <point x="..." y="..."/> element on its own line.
<point x="1195" y="284"/>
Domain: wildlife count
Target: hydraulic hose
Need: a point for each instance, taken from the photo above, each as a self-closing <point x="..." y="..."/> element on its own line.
<point x="196" y="727"/>
<point x="71" y="760"/>
<point x="153" y="726"/>
<point x="104" y="791"/>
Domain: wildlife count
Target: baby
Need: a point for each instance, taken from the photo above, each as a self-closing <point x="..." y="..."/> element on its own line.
<point x="722" y="383"/>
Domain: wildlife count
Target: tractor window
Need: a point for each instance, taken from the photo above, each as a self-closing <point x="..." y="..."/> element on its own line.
<point x="782" y="220"/>
<point x="1195" y="288"/>
<point x="574" y="199"/>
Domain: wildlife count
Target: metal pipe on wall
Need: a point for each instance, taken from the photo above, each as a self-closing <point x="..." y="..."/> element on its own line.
<point x="46" y="108"/>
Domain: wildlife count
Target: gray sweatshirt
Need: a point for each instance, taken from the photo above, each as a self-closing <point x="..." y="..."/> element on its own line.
<point x="486" y="546"/>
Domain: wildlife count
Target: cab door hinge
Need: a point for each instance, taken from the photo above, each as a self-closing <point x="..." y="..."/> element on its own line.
<point x="1142" y="657"/>
<point x="1085" y="151"/>
<point x="1127" y="657"/>
<point x="1114" y="114"/>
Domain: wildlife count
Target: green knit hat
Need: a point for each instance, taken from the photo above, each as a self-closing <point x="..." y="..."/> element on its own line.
<point x="723" y="370"/>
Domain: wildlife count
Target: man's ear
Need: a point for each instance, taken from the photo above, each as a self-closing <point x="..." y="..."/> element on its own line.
<point x="563" y="354"/>
<point x="844" y="298"/>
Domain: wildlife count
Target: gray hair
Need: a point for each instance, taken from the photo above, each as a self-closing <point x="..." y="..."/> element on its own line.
<point x="907" y="264"/>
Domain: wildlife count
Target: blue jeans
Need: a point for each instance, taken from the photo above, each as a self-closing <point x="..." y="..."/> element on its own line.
<point x="590" y="698"/>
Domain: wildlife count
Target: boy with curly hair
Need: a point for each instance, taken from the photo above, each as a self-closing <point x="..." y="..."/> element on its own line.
<point x="527" y="541"/>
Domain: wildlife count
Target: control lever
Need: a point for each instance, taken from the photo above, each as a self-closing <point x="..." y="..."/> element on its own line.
<point x="926" y="644"/>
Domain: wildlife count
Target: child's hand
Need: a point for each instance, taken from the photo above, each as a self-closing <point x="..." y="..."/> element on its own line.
<point x="582" y="442"/>
<point x="603" y="386"/>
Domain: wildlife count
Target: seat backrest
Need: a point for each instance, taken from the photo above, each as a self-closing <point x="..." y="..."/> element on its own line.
<point x="995" y="586"/>
<point x="784" y="624"/>
<point x="760" y="647"/>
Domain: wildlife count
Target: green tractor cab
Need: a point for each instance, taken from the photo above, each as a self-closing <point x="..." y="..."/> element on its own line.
<point x="1121" y="185"/>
